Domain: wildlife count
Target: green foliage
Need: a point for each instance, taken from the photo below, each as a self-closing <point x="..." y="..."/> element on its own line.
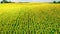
<point x="54" y="1"/>
<point x="5" y="1"/>
<point x="58" y="1"/>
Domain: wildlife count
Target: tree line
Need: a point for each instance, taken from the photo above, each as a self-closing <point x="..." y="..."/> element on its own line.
<point x="56" y="2"/>
<point x="5" y="1"/>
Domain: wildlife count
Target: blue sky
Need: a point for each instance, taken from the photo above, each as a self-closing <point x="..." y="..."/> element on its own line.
<point x="33" y="0"/>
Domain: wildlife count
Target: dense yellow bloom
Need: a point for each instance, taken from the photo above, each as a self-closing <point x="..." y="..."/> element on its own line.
<point x="29" y="18"/>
